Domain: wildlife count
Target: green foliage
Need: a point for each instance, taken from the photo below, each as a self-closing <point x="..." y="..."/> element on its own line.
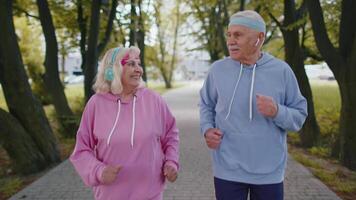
<point x="293" y="138"/>
<point x="327" y="104"/>
<point x="332" y="15"/>
<point x="336" y="177"/>
<point x="323" y="152"/>
<point x="346" y="187"/>
<point x="324" y="175"/>
<point x="306" y="161"/>
<point x="10" y="186"/>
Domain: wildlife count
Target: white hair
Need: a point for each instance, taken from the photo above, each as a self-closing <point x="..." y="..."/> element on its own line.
<point x="115" y="86"/>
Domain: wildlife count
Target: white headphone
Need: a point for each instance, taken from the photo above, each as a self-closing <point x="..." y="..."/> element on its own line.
<point x="258" y="40"/>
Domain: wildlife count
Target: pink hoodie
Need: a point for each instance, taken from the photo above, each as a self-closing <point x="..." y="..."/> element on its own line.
<point x="139" y="135"/>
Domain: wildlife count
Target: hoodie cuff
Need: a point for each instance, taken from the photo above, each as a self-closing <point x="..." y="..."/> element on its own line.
<point x="99" y="173"/>
<point x="280" y="117"/>
<point x="172" y="164"/>
<point x="204" y="128"/>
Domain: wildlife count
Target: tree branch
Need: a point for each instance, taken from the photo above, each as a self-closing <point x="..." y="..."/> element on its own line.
<point x="109" y="27"/>
<point x="327" y="50"/>
<point x="19" y="9"/>
<point x="302" y="10"/>
<point x="307" y="52"/>
<point x="275" y="20"/>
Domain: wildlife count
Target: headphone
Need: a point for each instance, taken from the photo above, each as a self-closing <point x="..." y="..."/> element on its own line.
<point x="109" y="71"/>
<point x="258" y="40"/>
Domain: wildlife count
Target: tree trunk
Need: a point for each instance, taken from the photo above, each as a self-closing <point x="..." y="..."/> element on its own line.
<point x="167" y="83"/>
<point x="83" y="32"/>
<point x="92" y="53"/>
<point x="222" y="22"/>
<point x="22" y="150"/>
<point x="348" y="119"/>
<point x="109" y="28"/>
<point x="18" y="95"/>
<point x="133" y="25"/>
<point x="242" y="5"/>
<point x="175" y="40"/>
<point x="343" y="64"/>
<point x="310" y="132"/>
<point x="141" y="40"/>
<point x="51" y="78"/>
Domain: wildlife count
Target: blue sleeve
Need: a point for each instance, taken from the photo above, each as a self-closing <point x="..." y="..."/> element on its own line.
<point x="208" y="99"/>
<point x="293" y="112"/>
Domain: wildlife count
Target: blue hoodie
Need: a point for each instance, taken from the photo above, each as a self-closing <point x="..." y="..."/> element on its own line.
<point x="253" y="147"/>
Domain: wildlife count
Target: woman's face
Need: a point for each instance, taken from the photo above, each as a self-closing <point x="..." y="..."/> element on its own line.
<point x="132" y="72"/>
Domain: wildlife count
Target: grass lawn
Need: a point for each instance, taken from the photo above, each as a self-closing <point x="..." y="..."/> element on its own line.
<point x="327" y="106"/>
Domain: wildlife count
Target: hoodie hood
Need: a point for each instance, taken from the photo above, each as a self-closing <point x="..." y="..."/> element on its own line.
<point x="115" y="97"/>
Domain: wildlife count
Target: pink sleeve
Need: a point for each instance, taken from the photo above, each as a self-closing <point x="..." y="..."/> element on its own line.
<point x="170" y="138"/>
<point x="83" y="157"/>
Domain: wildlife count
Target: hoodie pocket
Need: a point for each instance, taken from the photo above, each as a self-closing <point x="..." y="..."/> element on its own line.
<point x="260" y="153"/>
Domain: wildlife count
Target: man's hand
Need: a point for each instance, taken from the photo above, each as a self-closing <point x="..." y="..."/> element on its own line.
<point x="213" y="137"/>
<point x="266" y="106"/>
<point x="109" y="174"/>
<point x="170" y="172"/>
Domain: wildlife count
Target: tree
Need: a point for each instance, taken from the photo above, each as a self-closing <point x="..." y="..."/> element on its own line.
<point x="133" y="24"/>
<point x="342" y="62"/>
<point x="294" y="56"/>
<point x="22" y="150"/>
<point x="51" y="76"/>
<point x="95" y="49"/>
<point x="19" y="98"/>
<point x="28" y="35"/>
<point x="141" y="38"/>
<point x="213" y="16"/>
<point x="163" y="59"/>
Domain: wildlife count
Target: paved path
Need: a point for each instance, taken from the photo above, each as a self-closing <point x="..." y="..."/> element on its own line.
<point x="195" y="178"/>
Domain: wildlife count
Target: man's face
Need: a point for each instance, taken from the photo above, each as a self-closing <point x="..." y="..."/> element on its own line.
<point x="241" y="42"/>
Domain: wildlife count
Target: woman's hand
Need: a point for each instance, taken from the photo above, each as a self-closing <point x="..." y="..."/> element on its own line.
<point x="170" y="172"/>
<point x="109" y="174"/>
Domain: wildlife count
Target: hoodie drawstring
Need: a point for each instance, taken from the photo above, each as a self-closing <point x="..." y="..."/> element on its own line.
<point x="251" y="92"/>
<point x="133" y="122"/>
<point x="233" y="94"/>
<point x="116" y="119"/>
<point x="251" y="89"/>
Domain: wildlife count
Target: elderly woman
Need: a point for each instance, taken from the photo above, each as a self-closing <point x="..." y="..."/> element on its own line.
<point x="127" y="141"/>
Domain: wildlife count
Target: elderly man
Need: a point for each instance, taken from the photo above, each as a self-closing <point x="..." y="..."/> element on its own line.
<point x="248" y="103"/>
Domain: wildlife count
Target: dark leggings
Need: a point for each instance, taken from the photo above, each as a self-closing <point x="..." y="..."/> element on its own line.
<point x="229" y="190"/>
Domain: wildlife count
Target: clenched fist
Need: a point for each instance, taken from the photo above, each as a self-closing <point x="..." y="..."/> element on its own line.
<point x="266" y="105"/>
<point x="170" y="172"/>
<point x="213" y="137"/>
<point x="109" y="174"/>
